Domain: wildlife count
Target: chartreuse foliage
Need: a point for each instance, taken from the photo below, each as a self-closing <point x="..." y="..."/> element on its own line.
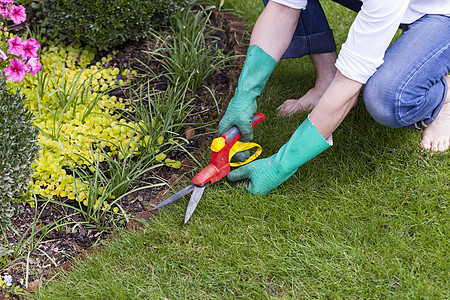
<point x="72" y="111"/>
<point x="18" y="149"/>
<point x="53" y="96"/>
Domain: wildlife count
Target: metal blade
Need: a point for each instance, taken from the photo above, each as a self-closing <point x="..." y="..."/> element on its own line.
<point x="195" y="198"/>
<point x="176" y="196"/>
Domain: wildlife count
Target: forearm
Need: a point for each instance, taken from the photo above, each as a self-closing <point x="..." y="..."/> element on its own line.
<point x="270" y="38"/>
<point x="274" y="29"/>
<point x="340" y="97"/>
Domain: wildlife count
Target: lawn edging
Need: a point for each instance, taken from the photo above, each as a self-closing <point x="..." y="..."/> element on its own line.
<point x="236" y="32"/>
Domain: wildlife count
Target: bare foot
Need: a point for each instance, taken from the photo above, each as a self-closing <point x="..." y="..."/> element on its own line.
<point x="304" y="104"/>
<point x="325" y="70"/>
<point x="436" y="137"/>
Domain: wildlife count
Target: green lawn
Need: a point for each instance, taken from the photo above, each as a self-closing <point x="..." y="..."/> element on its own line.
<point x="368" y="218"/>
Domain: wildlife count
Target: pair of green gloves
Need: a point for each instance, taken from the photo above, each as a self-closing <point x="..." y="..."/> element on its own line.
<point x="266" y="174"/>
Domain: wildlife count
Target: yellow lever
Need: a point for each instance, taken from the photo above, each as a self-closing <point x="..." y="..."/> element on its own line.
<point x="239" y="147"/>
<point x="217" y="144"/>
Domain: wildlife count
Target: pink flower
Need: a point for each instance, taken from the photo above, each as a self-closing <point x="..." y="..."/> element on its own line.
<point x="16" y="71"/>
<point x="15" y="46"/>
<point x="7" y="1"/>
<point x="33" y="65"/>
<point x="17" y="14"/>
<point x="30" y="48"/>
<point x="3" y="55"/>
<point x="31" y="40"/>
<point x="4" y="11"/>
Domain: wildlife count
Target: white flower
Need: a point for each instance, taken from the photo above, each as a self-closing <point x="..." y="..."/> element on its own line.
<point x="3" y="55"/>
<point x="7" y="279"/>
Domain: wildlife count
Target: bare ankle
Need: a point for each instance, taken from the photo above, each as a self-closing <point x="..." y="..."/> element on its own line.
<point x="436" y="137"/>
<point x="324" y="64"/>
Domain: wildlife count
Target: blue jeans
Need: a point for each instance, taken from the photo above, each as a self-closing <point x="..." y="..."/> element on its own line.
<point x="409" y="88"/>
<point x="313" y="34"/>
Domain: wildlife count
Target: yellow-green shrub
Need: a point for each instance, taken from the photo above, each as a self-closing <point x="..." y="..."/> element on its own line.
<point x="67" y="135"/>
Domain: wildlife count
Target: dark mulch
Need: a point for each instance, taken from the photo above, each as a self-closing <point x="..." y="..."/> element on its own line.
<point x="70" y="241"/>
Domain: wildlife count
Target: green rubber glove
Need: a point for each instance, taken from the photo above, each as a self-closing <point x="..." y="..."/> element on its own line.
<point x="241" y="156"/>
<point x="256" y="71"/>
<point x="268" y="173"/>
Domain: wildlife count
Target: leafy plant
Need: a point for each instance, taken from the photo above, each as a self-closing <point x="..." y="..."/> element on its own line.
<point x="67" y="95"/>
<point x="28" y="242"/>
<point x="72" y="110"/>
<point x="18" y="149"/>
<point x="189" y="54"/>
<point x="160" y="113"/>
<point x="103" y="187"/>
<point x="106" y="24"/>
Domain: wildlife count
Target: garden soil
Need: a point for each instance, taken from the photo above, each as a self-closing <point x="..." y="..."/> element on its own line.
<point x="61" y="246"/>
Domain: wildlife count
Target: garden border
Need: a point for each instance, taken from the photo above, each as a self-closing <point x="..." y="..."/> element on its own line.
<point x="236" y="31"/>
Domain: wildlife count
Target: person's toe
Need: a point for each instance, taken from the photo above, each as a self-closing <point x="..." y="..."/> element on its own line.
<point x="286" y="109"/>
<point x="443" y="145"/>
<point x="425" y="144"/>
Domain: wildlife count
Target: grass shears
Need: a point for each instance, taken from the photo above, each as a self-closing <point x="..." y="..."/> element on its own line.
<point x="223" y="149"/>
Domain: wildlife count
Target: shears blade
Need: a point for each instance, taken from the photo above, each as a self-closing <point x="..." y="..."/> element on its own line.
<point x="176" y="196"/>
<point x="195" y="198"/>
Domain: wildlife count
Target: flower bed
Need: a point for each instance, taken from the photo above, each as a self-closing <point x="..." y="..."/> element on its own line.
<point x="86" y="115"/>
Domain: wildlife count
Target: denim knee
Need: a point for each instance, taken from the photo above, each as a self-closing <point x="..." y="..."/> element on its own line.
<point x="409" y="89"/>
<point x="393" y="103"/>
<point x="379" y="98"/>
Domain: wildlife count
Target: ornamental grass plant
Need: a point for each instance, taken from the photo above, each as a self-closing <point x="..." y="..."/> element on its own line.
<point x="104" y="187"/>
<point x="69" y="96"/>
<point x="160" y="115"/>
<point x="28" y="242"/>
<point x="189" y="53"/>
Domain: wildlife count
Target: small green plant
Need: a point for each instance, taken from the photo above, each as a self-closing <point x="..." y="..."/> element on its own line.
<point x="28" y="242"/>
<point x="66" y="93"/>
<point x="186" y="55"/>
<point x="69" y="92"/>
<point x="72" y="110"/>
<point x="18" y="149"/>
<point x="106" y="24"/>
<point x="104" y="185"/>
<point x="160" y="113"/>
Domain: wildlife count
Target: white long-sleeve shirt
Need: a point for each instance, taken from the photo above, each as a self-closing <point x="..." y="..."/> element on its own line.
<point x="373" y="30"/>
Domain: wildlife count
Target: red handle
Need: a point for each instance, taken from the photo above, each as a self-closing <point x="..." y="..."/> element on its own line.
<point x="219" y="165"/>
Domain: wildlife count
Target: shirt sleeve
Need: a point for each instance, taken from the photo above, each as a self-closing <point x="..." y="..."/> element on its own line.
<point x="369" y="37"/>
<point x="296" y="4"/>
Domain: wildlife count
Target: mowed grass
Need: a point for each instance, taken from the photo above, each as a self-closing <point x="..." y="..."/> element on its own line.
<point x="366" y="219"/>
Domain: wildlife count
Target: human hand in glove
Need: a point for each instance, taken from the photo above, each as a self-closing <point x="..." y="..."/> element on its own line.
<point x="256" y="71"/>
<point x="266" y="174"/>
